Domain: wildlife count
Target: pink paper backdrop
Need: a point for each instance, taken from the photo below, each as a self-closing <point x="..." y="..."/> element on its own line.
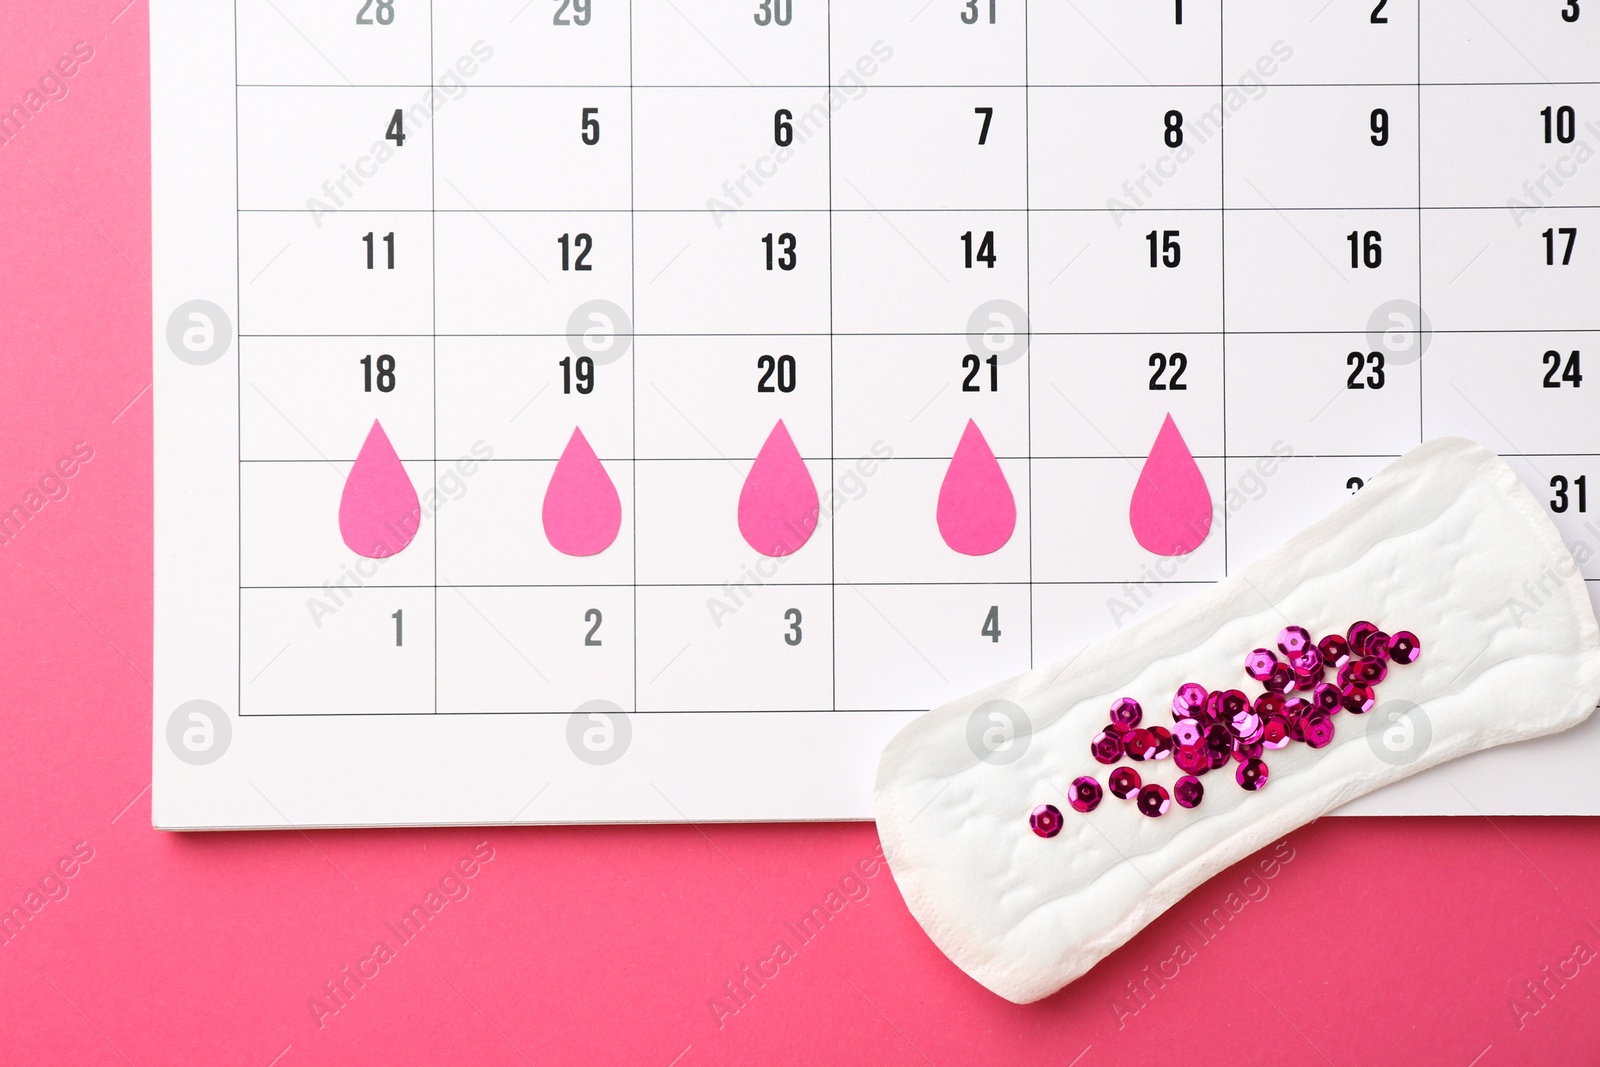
<point x="1382" y="941"/>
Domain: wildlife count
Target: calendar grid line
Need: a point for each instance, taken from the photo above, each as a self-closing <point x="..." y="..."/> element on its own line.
<point x="833" y="526"/>
<point x="1422" y="392"/>
<point x="636" y="711"/>
<point x="1027" y="298"/>
<point x="238" y="375"/>
<point x="1222" y="250"/>
<point x="633" y="363"/>
<point x="946" y="333"/>
<point x="433" y="252"/>
<point x="787" y="210"/>
<point x="920" y="86"/>
<point x="1014" y="584"/>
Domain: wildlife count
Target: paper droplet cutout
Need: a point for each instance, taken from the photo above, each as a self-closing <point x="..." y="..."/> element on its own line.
<point x="778" y="505"/>
<point x="977" y="512"/>
<point x="378" y="513"/>
<point x="1171" y="508"/>
<point x="581" y="511"/>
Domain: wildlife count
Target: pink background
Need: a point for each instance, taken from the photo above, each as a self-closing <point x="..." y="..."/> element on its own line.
<point x="1379" y="941"/>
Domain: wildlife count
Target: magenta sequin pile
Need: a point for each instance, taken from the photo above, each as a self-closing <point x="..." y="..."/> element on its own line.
<point x="1213" y="729"/>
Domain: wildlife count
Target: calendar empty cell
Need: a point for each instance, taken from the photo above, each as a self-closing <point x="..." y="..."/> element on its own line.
<point x="1155" y="148"/>
<point x="354" y="147"/>
<point x="1506" y="270"/>
<point x="311" y="398"/>
<point x="682" y="417"/>
<point x="751" y="648"/>
<point x="1562" y="484"/>
<point x="1333" y="42"/>
<point x="521" y="272"/>
<point x="711" y="42"/>
<point x="536" y="42"/>
<point x="522" y="397"/>
<point x="1104" y="272"/>
<point x="929" y="42"/>
<point x="1322" y="393"/>
<point x="755" y="272"/>
<point x="1067" y="618"/>
<point x="580" y="136"/>
<point x="346" y="651"/>
<point x="1509" y="41"/>
<point x="910" y="647"/>
<point x="1509" y="146"/>
<point x="1107" y="395"/>
<point x="1272" y="499"/>
<point x="1111" y="42"/>
<point x="312" y="42"/>
<point x="534" y="650"/>
<point x="1514" y="392"/>
<point x="289" y="532"/>
<point x="923" y="271"/>
<point x="1081" y="527"/>
<point x="892" y="534"/>
<point x="1318" y="270"/>
<point x="718" y="151"/>
<point x="933" y="148"/>
<point x="491" y="529"/>
<point x="688" y="528"/>
<point x="939" y="383"/>
<point x="301" y="274"/>
<point x="1325" y="146"/>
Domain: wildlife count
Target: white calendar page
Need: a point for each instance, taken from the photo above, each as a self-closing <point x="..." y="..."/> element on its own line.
<point x="610" y="410"/>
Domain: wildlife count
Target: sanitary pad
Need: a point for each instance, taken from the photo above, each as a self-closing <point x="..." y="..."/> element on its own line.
<point x="1446" y="543"/>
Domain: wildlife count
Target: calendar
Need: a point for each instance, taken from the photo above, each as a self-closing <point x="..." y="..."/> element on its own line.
<point x="638" y="410"/>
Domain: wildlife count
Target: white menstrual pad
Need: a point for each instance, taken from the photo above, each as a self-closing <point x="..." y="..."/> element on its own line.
<point x="1441" y="543"/>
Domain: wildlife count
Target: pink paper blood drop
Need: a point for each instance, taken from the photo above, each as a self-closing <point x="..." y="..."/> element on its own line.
<point x="378" y="513"/>
<point x="778" y="505"/>
<point x="977" y="512"/>
<point x="1171" y="508"/>
<point x="581" y="511"/>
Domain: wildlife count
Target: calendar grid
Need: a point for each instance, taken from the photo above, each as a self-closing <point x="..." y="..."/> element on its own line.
<point x="1040" y="455"/>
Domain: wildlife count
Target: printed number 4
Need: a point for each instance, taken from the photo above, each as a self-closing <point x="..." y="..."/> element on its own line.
<point x="991" y="624"/>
